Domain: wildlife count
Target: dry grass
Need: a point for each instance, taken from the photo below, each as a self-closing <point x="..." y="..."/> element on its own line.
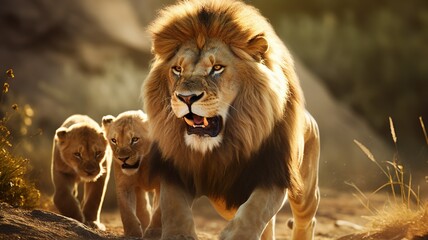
<point x="398" y="220"/>
<point x="15" y="188"/>
<point x="404" y="215"/>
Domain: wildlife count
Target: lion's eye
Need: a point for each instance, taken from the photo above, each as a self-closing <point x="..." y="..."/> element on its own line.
<point x="217" y="69"/>
<point x="77" y="155"/>
<point x="98" y="154"/>
<point x="113" y="140"/>
<point x="177" y="70"/>
<point x="134" y="140"/>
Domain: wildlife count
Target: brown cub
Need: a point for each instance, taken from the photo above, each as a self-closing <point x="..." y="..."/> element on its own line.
<point x="128" y="137"/>
<point x="80" y="155"/>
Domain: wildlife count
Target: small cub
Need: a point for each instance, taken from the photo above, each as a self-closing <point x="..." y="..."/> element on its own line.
<point x="128" y="137"/>
<point x="80" y="154"/>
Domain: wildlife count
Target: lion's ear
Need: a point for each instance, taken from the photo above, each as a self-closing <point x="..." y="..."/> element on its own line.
<point x="61" y="134"/>
<point x="107" y="120"/>
<point x="257" y="47"/>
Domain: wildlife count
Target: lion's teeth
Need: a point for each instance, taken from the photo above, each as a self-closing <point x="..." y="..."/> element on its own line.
<point x="189" y="122"/>
<point x="192" y="123"/>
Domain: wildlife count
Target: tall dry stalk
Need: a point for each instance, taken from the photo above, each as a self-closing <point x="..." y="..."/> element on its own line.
<point x="425" y="135"/>
<point x="401" y="188"/>
<point x="423" y="129"/>
<point x="391" y="127"/>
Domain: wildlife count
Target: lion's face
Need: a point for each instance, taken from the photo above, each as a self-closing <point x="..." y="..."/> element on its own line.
<point x="203" y="86"/>
<point x="219" y="81"/>
<point x="83" y="149"/>
<point x="127" y="135"/>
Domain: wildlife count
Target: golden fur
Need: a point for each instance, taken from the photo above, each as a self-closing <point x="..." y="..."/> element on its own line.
<point x="128" y="138"/>
<point x="80" y="154"/>
<point x="227" y="114"/>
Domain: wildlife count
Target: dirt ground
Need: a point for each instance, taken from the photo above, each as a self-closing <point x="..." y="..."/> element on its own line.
<point x="339" y="214"/>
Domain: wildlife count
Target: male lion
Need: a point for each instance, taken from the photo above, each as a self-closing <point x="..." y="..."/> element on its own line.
<point x="128" y="138"/>
<point x="80" y="154"/>
<point x="226" y="113"/>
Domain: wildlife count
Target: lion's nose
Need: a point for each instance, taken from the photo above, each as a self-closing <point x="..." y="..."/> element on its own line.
<point x="91" y="172"/>
<point x="92" y="169"/>
<point x="189" y="99"/>
<point x="123" y="159"/>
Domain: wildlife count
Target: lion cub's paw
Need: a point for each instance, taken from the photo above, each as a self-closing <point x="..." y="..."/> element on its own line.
<point x="179" y="237"/>
<point x="152" y="233"/>
<point x="96" y="225"/>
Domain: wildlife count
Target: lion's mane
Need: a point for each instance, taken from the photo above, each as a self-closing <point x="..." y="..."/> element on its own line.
<point x="261" y="135"/>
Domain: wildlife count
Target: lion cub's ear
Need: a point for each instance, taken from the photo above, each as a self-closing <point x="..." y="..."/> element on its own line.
<point x="257" y="47"/>
<point x="61" y="134"/>
<point x="107" y="120"/>
<point x="142" y="115"/>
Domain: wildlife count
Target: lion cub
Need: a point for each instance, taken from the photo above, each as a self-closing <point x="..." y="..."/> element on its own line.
<point x="128" y="138"/>
<point x="80" y="154"/>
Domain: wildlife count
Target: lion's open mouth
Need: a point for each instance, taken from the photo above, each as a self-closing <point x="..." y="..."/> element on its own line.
<point x="203" y="126"/>
<point x="133" y="166"/>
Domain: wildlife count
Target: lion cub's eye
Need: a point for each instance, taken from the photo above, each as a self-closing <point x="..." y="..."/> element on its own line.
<point x="77" y="155"/>
<point x="217" y="69"/>
<point x="113" y="140"/>
<point x="177" y="70"/>
<point x="134" y="140"/>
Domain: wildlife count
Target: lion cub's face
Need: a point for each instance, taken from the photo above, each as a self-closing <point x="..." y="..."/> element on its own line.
<point x="203" y="87"/>
<point x="127" y="135"/>
<point x="83" y="149"/>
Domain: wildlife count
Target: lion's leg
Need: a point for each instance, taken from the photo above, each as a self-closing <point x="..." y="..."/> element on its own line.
<point x="305" y="207"/>
<point x="269" y="232"/>
<point x="64" y="196"/>
<point x="143" y="207"/>
<point x="177" y="218"/>
<point x="126" y="200"/>
<point x="93" y="200"/>
<point x="254" y="215"/>
<point x="155" y="227"/>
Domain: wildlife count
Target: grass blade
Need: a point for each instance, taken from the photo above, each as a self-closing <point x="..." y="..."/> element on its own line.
<point x="365" y="150"/>
<point x="391" y="126"/>
<point x="423" y="129"/>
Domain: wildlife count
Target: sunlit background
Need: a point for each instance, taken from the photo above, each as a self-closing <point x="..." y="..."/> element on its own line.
<point x="359" y="61"/>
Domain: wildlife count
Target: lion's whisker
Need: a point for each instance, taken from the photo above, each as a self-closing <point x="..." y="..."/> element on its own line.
<point x="229" y="105"/>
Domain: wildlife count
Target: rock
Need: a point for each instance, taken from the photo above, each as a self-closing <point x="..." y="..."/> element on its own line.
<point x="36" y="224"/>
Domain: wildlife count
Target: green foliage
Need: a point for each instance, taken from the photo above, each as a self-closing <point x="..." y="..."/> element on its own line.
<point x="15" y="188"/>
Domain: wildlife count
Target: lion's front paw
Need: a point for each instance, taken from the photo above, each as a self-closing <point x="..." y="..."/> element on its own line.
<point x="302" y="232"/>
<point x="179" y="237"/>
<point x="236" y="230"/>
<point x="96" y="225"/>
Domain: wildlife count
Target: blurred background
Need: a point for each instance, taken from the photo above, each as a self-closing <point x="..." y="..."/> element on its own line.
<point x="359" y="61"/>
